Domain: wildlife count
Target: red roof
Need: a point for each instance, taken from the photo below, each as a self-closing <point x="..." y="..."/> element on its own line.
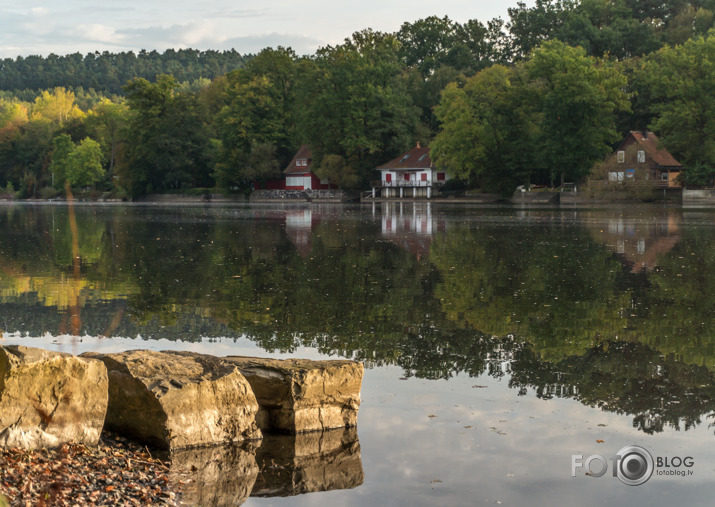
<point x="648" y="141"/>
<point x="302" y="154"/>
<point x="416" y="158"/>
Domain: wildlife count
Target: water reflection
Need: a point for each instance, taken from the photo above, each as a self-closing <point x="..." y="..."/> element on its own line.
<point x="552" y="300"/>
<point x="277" y="465"/>
<point x="641" y="241"/>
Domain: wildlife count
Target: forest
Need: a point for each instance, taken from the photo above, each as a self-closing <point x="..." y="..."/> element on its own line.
<point x="537" y="98"/>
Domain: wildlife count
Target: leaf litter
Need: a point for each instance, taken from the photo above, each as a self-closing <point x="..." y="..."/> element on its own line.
<point x="115" y="472"/>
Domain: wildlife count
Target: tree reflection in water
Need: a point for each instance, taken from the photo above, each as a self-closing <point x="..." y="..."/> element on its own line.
<point x="609" y="307"/>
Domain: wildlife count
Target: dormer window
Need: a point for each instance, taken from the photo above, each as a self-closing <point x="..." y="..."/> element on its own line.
<point x="621" y="157"/>
<point x="301" y="162"/>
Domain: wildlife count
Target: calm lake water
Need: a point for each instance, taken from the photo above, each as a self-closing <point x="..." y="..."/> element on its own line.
<point x="498" y="342"/>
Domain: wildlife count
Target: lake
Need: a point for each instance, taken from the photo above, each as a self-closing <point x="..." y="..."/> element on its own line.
<point x="500" y="343"/>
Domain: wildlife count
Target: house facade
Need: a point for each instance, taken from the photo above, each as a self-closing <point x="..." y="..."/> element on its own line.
<point x="299" y="174"/>
<point x="639" y="157"/>
<point x="412" y="174"/>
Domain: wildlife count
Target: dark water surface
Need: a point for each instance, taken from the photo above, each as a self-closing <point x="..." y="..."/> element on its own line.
<point x="498" y="342"/>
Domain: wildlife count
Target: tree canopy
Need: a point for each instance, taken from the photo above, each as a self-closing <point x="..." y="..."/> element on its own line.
<point x="536" y="98"/>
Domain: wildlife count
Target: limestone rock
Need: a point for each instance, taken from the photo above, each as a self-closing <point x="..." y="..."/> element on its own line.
<point x="50" y="398"/>
<point x="297" y="395"/>
<point x="308" y="462"/>
<point x="176" y="401"/>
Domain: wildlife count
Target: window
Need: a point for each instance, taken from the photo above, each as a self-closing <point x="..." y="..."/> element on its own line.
<point x="422" y="157"/>
<point x="441" y="176"/>
<point x="663" y="176"/>
<point x="405" y="158"/>
<point x="641" y="156"/>
<point x="615" y="176"/>
<point x="621" y="157"/>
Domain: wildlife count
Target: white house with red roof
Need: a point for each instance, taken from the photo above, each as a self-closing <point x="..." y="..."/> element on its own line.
<point x="299" y="174"/>
<point x="412" y="174"/>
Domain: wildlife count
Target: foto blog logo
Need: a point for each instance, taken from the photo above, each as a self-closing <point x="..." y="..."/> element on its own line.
<point x="633" y="465"/>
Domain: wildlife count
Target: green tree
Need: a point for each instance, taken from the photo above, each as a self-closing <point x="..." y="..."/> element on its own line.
<point x="530" y="26"/>
<point x="257" y="119"/>
<point x="62" y="150"/>
<point x="354" y="104"/>
<point x="106" y="121"/>
<point x="85" y="164"/>
<point x="167" y="142"/>
<point x="576" y="98"/>
<point x="680" y="79"/>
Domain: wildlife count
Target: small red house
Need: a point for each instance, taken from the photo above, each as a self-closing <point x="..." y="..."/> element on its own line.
<point x="299" y="174"/>
<point x="640" y="151"/>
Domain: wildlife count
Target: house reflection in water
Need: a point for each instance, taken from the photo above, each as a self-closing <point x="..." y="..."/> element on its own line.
<point x="641" y="242"/>
<point x="410" y="225"/>
<point x="299" y="226"/>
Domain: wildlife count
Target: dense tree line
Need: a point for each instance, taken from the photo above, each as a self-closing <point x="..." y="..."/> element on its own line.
<point x="108" y="72"/>
<point x="537" y="99"/>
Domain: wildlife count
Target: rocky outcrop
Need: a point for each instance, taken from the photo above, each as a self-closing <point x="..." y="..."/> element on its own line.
<point x="297" y="395"/>
<point x="50" y="398"/>
<point x="308" y="462"/>
<point x="176" y="401"/>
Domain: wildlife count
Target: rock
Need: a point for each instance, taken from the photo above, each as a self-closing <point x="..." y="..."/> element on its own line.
<point x="308" y="462"/>
<point x="175" y="401"/>
<point x="50" y="398"/>
<point x="218" y="475"/>
<point x="297" y="395"/>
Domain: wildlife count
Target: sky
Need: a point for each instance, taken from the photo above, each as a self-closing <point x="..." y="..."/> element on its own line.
<point x="62" y="27"/>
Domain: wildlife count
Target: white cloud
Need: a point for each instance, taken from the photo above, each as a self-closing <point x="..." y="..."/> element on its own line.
<point x="98" y="33"/>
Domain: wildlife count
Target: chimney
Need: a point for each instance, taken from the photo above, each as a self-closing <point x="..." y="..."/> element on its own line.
<point x="645" y="134"/>
<point x="418" y="144"/>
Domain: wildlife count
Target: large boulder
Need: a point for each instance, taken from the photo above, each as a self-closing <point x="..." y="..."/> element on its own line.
<point x="50" y="398"/>
<point x="175" y="401"/>
<point x="297" y="395"/>
<point x="308" y="462"/>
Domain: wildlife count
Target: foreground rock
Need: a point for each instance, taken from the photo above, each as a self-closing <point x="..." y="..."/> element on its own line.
<point x="175" y="401"/>
<point x="49" y="398"/>
<point x="298" y="395"/>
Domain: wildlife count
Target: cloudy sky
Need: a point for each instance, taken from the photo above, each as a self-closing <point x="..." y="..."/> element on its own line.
<point x="41" y="27"/>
